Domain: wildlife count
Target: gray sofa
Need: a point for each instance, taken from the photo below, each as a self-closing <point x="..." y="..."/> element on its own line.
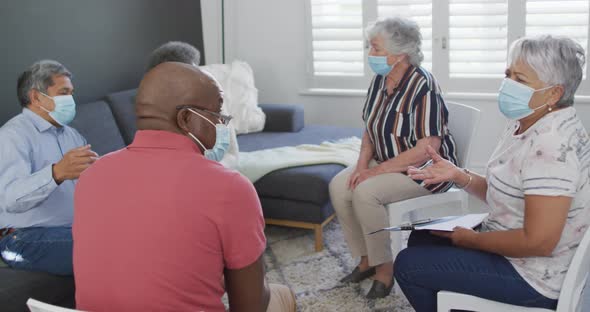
<point x="296" y="197"/>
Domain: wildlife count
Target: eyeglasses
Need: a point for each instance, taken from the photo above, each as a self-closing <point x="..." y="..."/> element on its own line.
<point x="224" y="119"/>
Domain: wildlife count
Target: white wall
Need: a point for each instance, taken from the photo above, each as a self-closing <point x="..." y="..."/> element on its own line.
<point x="212" y="31"/>
<point x="271" y="36"/>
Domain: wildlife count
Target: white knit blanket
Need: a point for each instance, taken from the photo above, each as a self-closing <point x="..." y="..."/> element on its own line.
<point x="255" y="165"/>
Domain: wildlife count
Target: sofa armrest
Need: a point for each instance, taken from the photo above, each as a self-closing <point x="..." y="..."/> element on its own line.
<point x="283" y="117"/>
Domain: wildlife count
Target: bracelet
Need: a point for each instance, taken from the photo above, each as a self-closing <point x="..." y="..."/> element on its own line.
<point x="468" y="182"/>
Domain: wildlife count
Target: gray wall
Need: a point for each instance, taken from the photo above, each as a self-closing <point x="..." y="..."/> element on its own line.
<point x="104" y="43"/>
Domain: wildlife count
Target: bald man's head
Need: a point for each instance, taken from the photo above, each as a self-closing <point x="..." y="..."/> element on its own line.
<point x="169" y="85"/>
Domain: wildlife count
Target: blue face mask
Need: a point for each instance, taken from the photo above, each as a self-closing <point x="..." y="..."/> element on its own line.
<point x="514" y="98"/>
<point x="379" y="65"/>
<point x="65" y="109"/>
<point x="222" y="135"/>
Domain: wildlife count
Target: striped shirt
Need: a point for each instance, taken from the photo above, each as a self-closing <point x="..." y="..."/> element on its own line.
<point x="415" y="110"/>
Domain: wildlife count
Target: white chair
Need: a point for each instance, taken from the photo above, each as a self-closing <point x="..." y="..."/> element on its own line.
<point x="38" y="306"/>
<point x="463" y="122"/>
<point x="569" y="298"/>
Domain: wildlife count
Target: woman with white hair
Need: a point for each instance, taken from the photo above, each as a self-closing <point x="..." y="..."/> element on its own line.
<point x="404" y="113"/>
<point x="536" y="187"/>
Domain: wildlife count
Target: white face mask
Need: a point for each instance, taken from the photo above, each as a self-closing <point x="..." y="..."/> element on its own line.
<point x="65" y="109"/>
<point x="222" y="135"/>
<point x="514" y="98"/>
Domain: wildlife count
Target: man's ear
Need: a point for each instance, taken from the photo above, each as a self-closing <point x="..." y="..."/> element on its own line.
<point x="183" y="120"/>
<point x="33" y="96"/>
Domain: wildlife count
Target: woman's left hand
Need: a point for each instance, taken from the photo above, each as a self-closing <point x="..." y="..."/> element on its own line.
<point x="364" y="175"/>
<point x="462" y="237"/>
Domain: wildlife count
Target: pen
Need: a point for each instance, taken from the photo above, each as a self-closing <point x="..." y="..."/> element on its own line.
<point x="428" y="163"/>
<point x="405" y="226"/>
<point x="421" y="221"/>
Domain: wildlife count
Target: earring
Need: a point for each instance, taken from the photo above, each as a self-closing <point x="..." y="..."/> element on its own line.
<point x="550" y="108"/>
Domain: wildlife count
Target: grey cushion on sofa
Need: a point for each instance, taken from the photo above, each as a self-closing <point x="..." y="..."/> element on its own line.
<point x="306" y="183"/>
<point x="283" y="118"/>
<point x="96" y="123"/>
<point x="16" y="287"/>
<point x="123" y="106"/>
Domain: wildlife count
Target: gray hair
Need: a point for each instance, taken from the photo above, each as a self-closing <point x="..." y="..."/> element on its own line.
<point x="39" y="77"/>
<point x="401" y="36"/>
<point x="557" y="60"/>
<point x="174" y="51"/>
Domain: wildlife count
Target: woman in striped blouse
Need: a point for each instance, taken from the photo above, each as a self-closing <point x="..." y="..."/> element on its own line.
<point x="404" y="113"/>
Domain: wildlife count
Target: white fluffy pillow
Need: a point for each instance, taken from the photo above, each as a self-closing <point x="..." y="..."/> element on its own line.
<point x="240" y="95"/>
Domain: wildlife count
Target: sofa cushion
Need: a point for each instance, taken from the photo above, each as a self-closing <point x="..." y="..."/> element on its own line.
<point x="123" y="106"/>
<point x="283" y="118"/>
<point x="311" y="134"/>
<point x="306" y="183"/>
<point x="16" y="287"/>
<point x="96" y="123"/>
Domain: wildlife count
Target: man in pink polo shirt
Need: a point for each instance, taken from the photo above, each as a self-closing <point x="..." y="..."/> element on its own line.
<point x="157" y="225"/>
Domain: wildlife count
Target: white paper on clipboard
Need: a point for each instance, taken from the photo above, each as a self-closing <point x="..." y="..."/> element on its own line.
<point x="469" y="221"/>
<point x="446" y="224"/>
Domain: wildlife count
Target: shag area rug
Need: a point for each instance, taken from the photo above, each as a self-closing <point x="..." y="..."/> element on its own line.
<point x="291" y="260"/>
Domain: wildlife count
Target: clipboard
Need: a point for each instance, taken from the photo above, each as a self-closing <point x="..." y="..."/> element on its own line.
<point x="446" y="224"/>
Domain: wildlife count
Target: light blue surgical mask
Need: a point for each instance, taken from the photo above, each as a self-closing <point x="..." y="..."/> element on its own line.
<point x="379" y="65"/>
<point x="222" y="136"/>
<point x="65" y="109"/>
<point x="514" y="98"/>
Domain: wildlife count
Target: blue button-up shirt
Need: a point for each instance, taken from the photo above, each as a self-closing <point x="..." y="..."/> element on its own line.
<point x="29" y="197"/>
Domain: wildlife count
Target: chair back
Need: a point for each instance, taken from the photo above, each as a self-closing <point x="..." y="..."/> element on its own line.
<point x="38" y="306"/>
<point x="463" y="121"/>
<point x="575" y="278"/>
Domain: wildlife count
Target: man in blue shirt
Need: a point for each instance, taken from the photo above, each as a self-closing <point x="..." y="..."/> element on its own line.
<point x="40" y="160"/>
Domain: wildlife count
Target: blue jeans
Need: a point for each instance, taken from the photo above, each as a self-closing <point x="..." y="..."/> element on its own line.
<point x="39" y="249"/>
<point x="432" y="263"/>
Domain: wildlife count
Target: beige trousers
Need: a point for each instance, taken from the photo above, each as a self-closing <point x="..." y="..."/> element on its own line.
<point x="362" y="210"/>
<point x="282" y="299"/>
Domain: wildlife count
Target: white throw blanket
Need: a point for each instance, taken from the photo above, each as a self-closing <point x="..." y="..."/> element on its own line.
<point x="254" y="165"/>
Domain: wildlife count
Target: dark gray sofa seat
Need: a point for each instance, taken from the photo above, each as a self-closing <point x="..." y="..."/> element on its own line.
<point x="16" y="287"/>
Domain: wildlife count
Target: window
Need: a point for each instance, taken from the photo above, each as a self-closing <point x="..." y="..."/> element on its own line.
<point x="565" y="17"/>
<point x="465" y="42"/>
<point x="477" y="38"/>
<point x="337" y="37"/>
